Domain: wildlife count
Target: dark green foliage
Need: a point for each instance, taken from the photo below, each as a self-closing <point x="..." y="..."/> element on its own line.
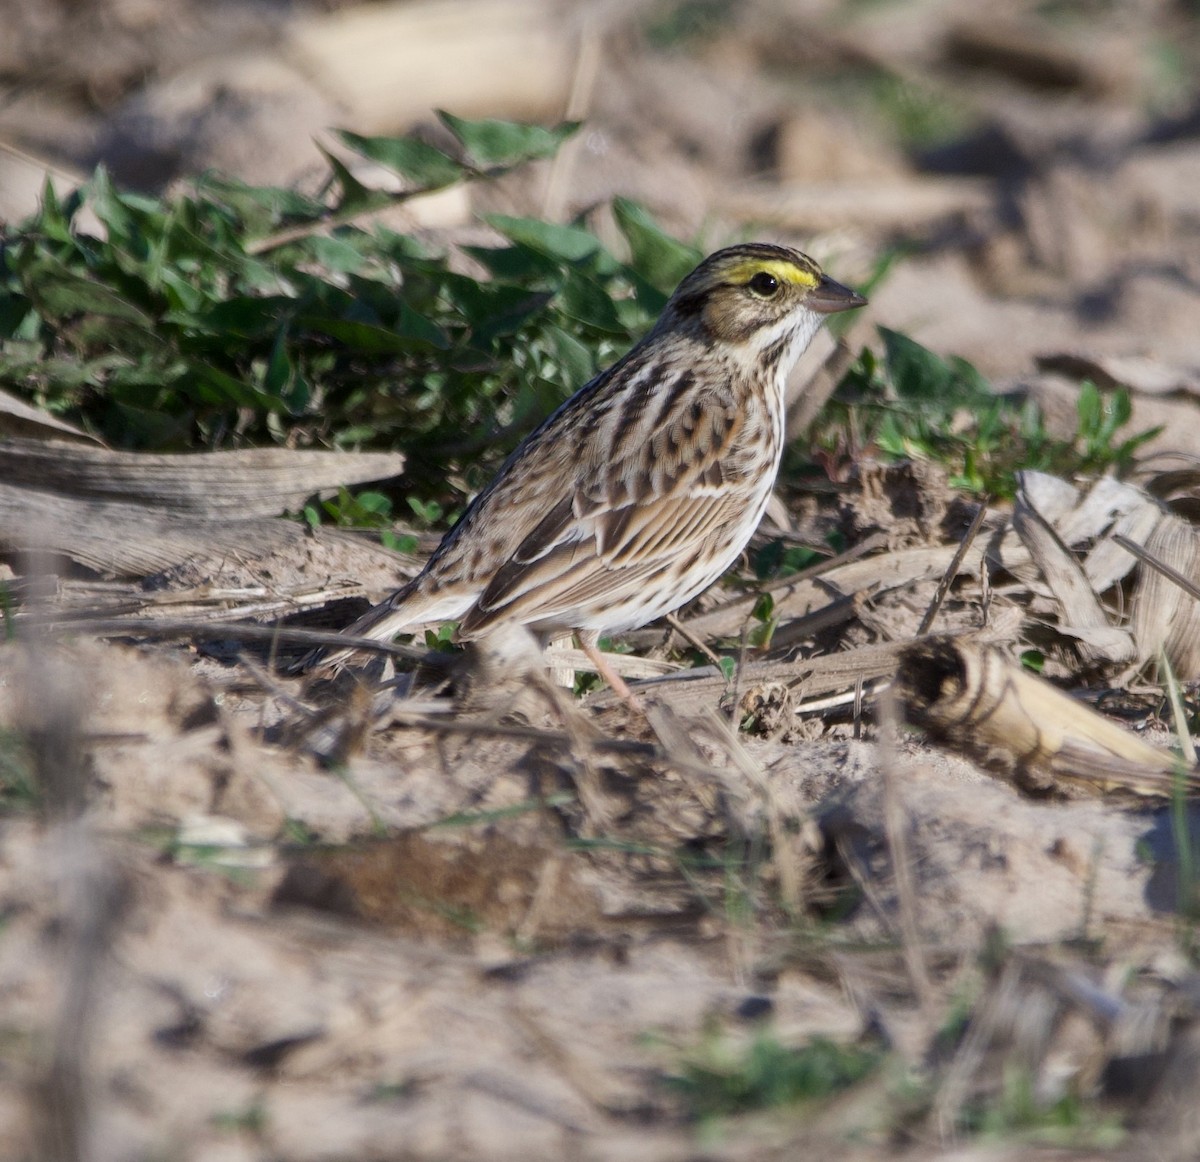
<point x="18" y="786"/>
<point x="233" y="314"/>
<point x="914" y="404"/>
<point x="720" y="1081"/>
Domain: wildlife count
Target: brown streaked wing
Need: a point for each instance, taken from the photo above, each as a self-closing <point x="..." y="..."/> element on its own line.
<point x="591" y="549"/>
<point x="660" y="527"/>
<point x="575" y="574"/>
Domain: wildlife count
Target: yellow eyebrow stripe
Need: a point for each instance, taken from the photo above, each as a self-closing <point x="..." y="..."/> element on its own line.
<point x="744" y="271"/>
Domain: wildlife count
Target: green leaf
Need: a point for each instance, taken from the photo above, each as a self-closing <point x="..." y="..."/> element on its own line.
<point x="404" y="543"/>
<point x="915" y="372"/>
<point x="429" y="512"/>
<point x="279" y="374"/>
<point x="53" y="218"/>
<point x="420" y="163"/>
<point x="657" y="257"/>
<point x="14" y="309"/>
<point x="564" y="242"/>
<point x="413" y="333"/>
<point x="1089" y="408"/>
<point x="355" y="196"/>
<point x="586" y="301"/>
<point x="492" y="308"/>
<point x="341" y="253"/>
<point x="490" y="142"/>
<point x="375" y="502"/>
<point x="258" y="209"/>
<point x="244" y="316"/>
<point x="1120" y="408"/>
<point x="442" y="638"/>
<point x="213" y="386"/>
<point x="646" y="305"/>
<point x="764" y="613"/>
<point x="121" y="224"/>
<point x="515" y="263"/>
<point x="1033" y="660"/>
<point x="60" y="292"/>
<point x="573" y="357"/>
<point x="183" y="298"/>
<point x="100" y="333"/>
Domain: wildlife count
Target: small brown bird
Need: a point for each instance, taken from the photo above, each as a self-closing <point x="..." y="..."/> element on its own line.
<point x="645" y="486"/>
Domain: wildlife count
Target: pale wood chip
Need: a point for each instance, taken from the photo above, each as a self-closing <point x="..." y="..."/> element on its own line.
<point x="978" y="700"/>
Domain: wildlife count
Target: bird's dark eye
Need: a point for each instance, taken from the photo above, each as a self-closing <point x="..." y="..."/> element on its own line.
<point x="764" y="285"/>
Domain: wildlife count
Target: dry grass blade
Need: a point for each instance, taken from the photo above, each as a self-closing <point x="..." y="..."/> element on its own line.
<point x="1159" y="566"/>
<point x="690" y="691"/>
<point x="896" y="829"/>
<point x="89" y="901"/>
<point x="423" y="719"/>
<point x="1111" y="509"/>
<point x="1082" y="615"/>
<point x="627" y="665"/>
<point x="1166" y="606"/>
<point x="18" y="418"/>
<point x="697" y="643"/>
<point x="1140" y="1051"/>
<point x="208" y="631"/>
<point x="952" y="569"/>
<point x="956" y="1084"/>
<point x="1175" y="698"/>
<point x="798" y="591"/>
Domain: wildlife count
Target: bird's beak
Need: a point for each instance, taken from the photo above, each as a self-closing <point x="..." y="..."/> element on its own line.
<point x="829" y="297"/>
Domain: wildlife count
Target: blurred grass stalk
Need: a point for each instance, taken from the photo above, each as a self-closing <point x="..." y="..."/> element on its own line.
<point x="88" y="891"/>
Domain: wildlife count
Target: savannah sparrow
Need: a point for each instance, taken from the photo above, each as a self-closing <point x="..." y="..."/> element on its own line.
<point x="646" y="485"/>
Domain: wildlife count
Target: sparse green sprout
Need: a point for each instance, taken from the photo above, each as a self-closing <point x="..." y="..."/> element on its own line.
<point x="442" y="638"/>
<point x="19" y="790"/>
<point x="915" y="404"/>
<point x="721" y="1078"/>
<point x="764" y="614"/>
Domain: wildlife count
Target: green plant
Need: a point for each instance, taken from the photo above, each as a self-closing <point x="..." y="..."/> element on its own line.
<point x="251" y="1119"/>
<point x="913" y="403"/>
<point x="233" y="314"/>
<point x="722" y="1078"/>
<point x="763" y="614"/>
<point x="918" y="115"/>
<point x="363" y="510"/>
<point x="1017" y="1112"/>
<point x="18" y="786"/>
<point x="442" y="638"/>
<point x="682" y="23"/>
<point x="779" y="559"/>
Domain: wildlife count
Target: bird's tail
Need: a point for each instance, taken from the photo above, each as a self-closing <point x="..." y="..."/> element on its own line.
<point x="380" y="624"/>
